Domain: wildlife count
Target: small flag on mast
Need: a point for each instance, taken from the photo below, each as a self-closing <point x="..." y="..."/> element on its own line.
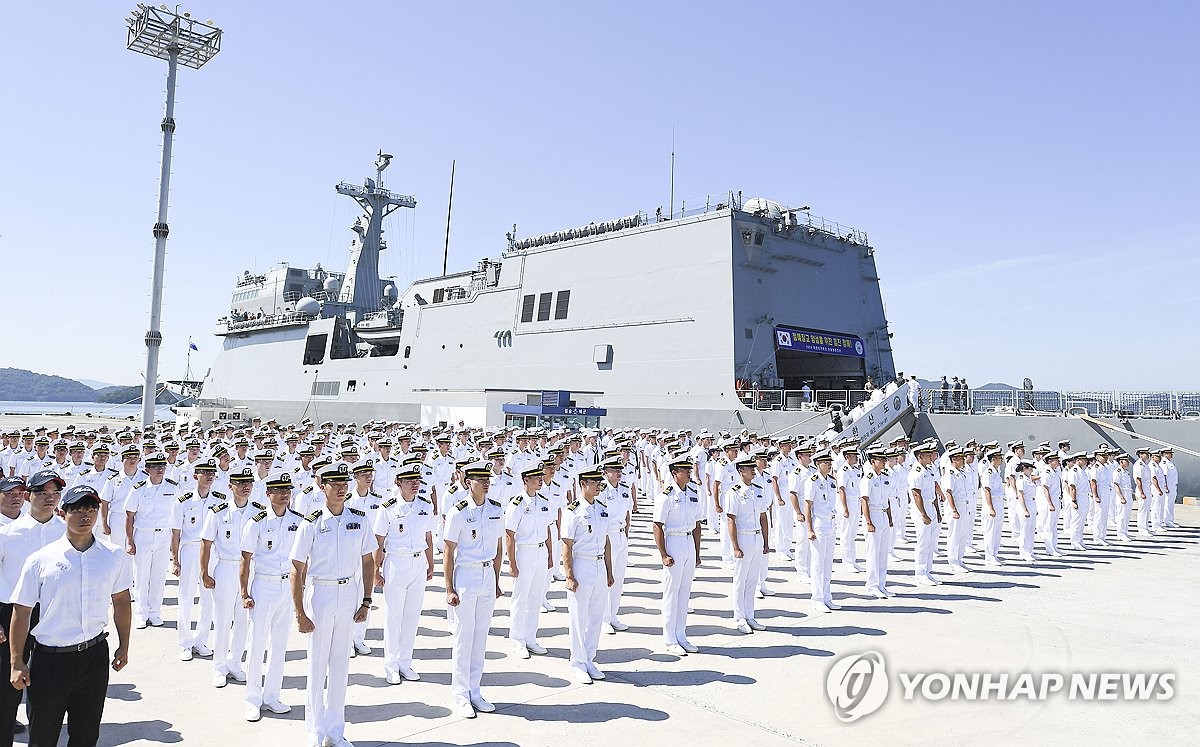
<point x="192" y="345"/>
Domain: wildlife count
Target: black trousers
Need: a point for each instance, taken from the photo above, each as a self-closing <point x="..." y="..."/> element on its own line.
<point x="10" y="697"/>
<point x="71" y="685"/>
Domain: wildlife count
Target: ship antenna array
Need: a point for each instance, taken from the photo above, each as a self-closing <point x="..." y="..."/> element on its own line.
<point x="180" y="40"/>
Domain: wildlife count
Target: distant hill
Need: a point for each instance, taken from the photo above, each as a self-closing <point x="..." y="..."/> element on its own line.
<point x="19" y="385"/>
<point x="96" y="384"/>
<point x="120" y="395"/>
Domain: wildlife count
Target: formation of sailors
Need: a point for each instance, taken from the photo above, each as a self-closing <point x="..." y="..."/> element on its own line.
<point x="274" y="526"/>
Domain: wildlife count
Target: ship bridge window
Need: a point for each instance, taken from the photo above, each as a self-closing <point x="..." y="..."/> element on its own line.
<point x="439" y="295"/>
<point x="561" y="304"/>
<point x="527" y="308"/>
<point x="544" y="306"/>
<point x="314" y="350"/>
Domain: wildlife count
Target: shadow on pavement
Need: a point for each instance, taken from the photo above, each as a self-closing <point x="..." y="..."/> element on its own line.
<point x="138" y="731"/>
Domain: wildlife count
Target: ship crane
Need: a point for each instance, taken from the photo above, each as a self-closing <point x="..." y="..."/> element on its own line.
<point x="362" y="287"/>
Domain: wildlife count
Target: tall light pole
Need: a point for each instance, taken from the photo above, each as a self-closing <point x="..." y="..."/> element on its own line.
<point x="180" y="40"/>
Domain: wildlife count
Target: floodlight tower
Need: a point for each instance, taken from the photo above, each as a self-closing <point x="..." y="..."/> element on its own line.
<point x="180" y="40"/>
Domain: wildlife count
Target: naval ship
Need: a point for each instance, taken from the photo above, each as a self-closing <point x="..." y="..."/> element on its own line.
<point x="743" y="313"/>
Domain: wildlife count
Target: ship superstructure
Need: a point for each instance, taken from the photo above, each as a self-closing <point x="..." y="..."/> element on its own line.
<point x="651" y="319"/>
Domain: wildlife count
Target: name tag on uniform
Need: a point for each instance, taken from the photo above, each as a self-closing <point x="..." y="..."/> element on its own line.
<point x="353" y="525"/>
<point x="544" y="508"/>
<point x="228" y="534"/>
<point x="694" y="499"/>
<point x="603" y="514"/>
<point x="293" y="527"/>
<point x="589" y="526"/>
<point x="474" y="534"/>
<point x="401" y="529"/>
<point x="193" y="519"/>
<point x="270" y="544"/>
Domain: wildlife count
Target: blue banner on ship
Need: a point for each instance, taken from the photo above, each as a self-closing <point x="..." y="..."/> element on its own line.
<point x="814" y="341"/>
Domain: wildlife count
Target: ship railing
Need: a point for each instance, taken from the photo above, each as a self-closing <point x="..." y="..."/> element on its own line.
<point x="1140" y="404"/>
<point x="263" y="320"/>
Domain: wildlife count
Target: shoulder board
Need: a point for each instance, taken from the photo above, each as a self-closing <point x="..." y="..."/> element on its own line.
<point x="517" y="500"/>
<point x="219" y="508"/>
<point x="139" y="484"/>
<point x="259" y="516"/>
<point x="389" y="503"/>
<point x="309" y="489"/>
<point x="423" y="498"/>
<point x="295" y="513"/>
<point x="845" y="467"/>
<point x="453" y="489"/>
<point x="171" y="481"/>
<point x="357" y="512"/>
<point x="314" y="515"/>
<point x="667" y="490"/>
<point x="113" y="471"/>
<point x="296" y="470"/>
<point x="815" y="476"/>
<point x="220" y="496"/>
<point x="554" y="483"/>
<point x="461" y="505"/>
<point x="494" y="503"/>
<point x="84" y="471"/>
<point x="184" y="497"/>
<point x="573" y="505"/>
<point x="377" y="495"/>
<point x="259" y="506"/>
<point x="740" y="486"/>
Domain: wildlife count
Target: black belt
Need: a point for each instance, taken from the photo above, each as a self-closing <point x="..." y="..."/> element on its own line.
<point x="73" y="649"/>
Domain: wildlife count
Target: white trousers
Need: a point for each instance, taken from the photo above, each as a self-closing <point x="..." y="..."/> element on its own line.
<point x="1028" y="529"/>
<point x="927" y="539"/>
<point x="527" y="594"/>
<point x="189" y="587"/>
<point x="960" y="532"/>
<point x="746" y="572"/>
<point x="620" y="566"/>
<point x="331" y="608"/>
<point x="1100" y="512"/>
<point x="1143" y="517"/>
<point x="1158" y="508"/>
<point x="820" y="567"/>
<point x="785" y="525"/>
<point x="879" y="543"/>
<point x="230" y="618"/>
<point x="899" y="520"/>
<point x="848" y="529"/>
<point x="1169" y="506"/>
<point x="586" y="607"/>
<point x="1047" y="526"/>
<point x="469" y="623"/>
<point x="269" y="620"/>
<point x="1076" y="519"/>
<point x="403" y="594"/>
<point x="150" y="570"/>
<point x="993" y="527"/>
<point x="677" y="587"/>
<point x="1120" y="516"/>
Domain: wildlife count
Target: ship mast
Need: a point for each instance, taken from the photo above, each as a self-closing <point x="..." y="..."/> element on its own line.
<point x="362" y="288"/>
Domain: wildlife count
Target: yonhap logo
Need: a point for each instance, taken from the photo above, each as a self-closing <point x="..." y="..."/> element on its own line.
<point x="857" y="685"/>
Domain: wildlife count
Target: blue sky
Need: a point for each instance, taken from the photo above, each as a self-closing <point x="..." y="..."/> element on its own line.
<point x="1025" y="170"/>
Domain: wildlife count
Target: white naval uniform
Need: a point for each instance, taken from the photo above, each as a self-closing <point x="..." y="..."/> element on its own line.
<point x="821" y="492"/>
<point x="849" y="479"/>
<point x="876" y="490"/>
<point x="223" y="526"/>
<point x="586" y="525"/>
<point x="1141" y="472"/>
<point x="528" y="518"/>
<point x="151" y="507"/>
<point x="1171" y="490"/>
<point x="746" y="504"/>
<point x="923" y="478"/>
<point x="1120" y="514"/>
<point x="1101" y="506"/>
<point x="269" y="539"/>
<point x="1077" y="511"/>
<point x="620" y="506"/>
<point x="798" y="479"/>
<point x="959" y="531"/>
<point x="1026" y="508"/>
<point x="187" y="517"/>
<point x="475" y="531"/>
<point x="992" y="478"/>
<point x="1158" y="498"/>
<point x="1049" y="509"/>
<point x="785" y="517"/>
<point x="333" y="548"/>
<point x="679" y="512"/>
<point x="114" y="494"/>
<point x="406" y="528"/>
<point x="371" y="503"/>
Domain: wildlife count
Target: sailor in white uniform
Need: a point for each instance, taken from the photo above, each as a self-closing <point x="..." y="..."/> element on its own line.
<point x="877" y="511"/>
<point x="265" y="574"/>
<point x="617" y="497"/>
<point x="473" y="538"/>
<point x="1170" y="486"/>
<point x="676" y="518"/>
<point x="958" y="489"/>
<point x="797" y="482"/>
<point x="1049" y="506"/>
<point x="220" y="568"/>
<point x="148" y="528"/>
<point x="527" y="537"/>
<point x="332" y="561"/>
<point x="925" y="493"/>
<point x="1122" y="497"/>
<point x="820" y="508"/>
<point x="187" y="519"/>
<point x="587" y="559"/>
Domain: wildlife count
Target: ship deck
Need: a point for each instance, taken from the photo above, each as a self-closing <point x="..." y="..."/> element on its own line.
<point x="1126" y="608"/>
